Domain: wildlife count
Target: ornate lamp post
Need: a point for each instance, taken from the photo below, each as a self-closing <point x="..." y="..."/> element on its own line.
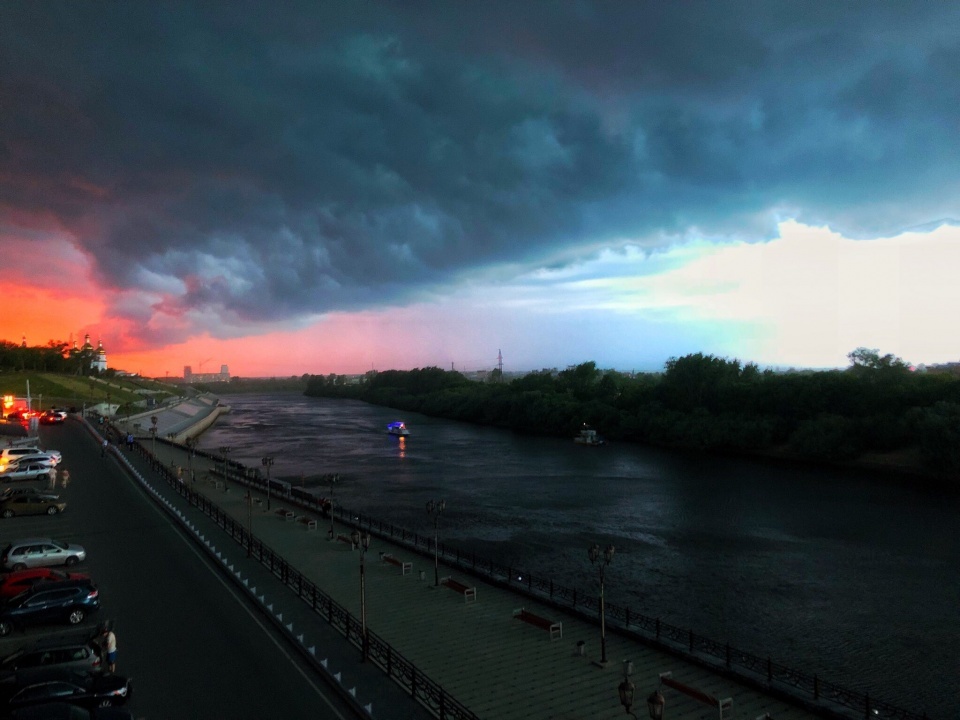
<point x="435" y="509"/>
<point x="655" y="703"/>
<point x="333" y="480"/>
<point x="602" y="561"/>
<point x="224" y="451"/>
<point x="249" y="497"/>
<point x="191" y="443"/>
<point x="626" y="690"/>
<point x="267" y="461"/>
<point x="362" y="541"/>
<point x="153" y="431"/>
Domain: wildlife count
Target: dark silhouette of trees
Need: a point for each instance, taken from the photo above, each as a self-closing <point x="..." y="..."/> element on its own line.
<point x="701" y="402"/>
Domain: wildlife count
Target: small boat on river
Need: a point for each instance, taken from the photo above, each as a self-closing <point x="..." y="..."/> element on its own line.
<point x="397" y="428"/>
<point x="588" y="436"/>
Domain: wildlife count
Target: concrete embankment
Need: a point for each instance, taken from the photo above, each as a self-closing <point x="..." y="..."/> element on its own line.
<point x="177" y="421"/>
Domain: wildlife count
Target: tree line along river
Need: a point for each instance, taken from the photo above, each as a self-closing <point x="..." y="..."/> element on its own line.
<point x="847" y="575"/>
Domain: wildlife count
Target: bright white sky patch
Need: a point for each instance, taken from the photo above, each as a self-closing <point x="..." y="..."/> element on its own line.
<point x="806" y="298"/>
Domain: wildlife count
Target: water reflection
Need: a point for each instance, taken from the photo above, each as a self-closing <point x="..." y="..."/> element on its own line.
<point x="803" y="565"/>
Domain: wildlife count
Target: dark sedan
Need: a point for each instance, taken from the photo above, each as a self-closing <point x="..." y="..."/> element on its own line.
<point x="31" y="504"/>
<point x="37" y="687"/>
<point x="66" y="711"/>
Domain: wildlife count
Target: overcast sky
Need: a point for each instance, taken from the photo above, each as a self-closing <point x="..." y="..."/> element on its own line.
<point x="310" y="187"/>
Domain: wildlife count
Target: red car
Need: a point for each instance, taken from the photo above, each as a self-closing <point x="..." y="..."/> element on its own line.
<point x="14" y="583"/>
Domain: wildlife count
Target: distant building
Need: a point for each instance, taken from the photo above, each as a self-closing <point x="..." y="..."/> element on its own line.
<point x="190" y="377"/>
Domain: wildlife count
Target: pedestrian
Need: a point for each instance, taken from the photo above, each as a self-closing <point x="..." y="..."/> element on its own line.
<point x="129" y="441"/>
<point x="103" y="447"/>
<point x="110" y="648"/>
<point x="52" y="475"/>
<point x="65" y="478"/>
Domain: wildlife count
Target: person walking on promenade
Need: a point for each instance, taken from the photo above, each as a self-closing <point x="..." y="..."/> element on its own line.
<point x="129" y="441"/>
<point x="109" y="648"/>
<point x="103" y="448"/>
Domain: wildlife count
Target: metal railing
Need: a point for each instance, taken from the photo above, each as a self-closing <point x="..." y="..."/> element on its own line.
<point x="398" y="668"/>
<point x="817" y="695"/>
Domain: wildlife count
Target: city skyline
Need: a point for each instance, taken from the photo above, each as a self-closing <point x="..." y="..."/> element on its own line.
<point x="322" y="189"/>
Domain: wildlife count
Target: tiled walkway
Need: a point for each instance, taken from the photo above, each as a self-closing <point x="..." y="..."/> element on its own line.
<point x="499" y="667"/>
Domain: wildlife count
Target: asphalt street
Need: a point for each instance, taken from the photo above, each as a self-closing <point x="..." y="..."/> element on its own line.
<point x="195" y="645"/>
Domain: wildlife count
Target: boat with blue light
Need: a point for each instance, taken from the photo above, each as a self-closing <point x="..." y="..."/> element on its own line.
<point x="397" y="428"/>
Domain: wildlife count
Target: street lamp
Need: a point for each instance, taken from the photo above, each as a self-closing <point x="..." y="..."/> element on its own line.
<point x="191" y="443"/>
<point x="153" y="431"/>
<point x="224" y="451"/>
<point x="435" y="509"/>
<point x="267" y="461"/>
<point x="362" y="541"/>
<point x="627" y="689"/>
<point x="333" y="479"/>
<point x="602" y="560"/>
<point x="249" y="521"/>
<point x="655" y="703"/>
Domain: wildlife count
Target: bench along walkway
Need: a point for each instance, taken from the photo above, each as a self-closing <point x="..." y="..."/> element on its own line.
<point x="554" y="628"/>
<point x="723" y="707"/>
<point x="405" y="566"/>
<point x="485" y="659"/>
<point x="469" y="592"/>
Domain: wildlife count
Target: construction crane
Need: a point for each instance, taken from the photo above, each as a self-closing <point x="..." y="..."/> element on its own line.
<point x="200" y="365"/>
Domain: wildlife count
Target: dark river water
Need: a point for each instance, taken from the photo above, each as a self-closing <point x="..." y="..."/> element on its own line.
<point x="851" y="576"/>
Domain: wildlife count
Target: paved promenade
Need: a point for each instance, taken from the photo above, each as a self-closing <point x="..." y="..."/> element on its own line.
<point x="499" y="667"/>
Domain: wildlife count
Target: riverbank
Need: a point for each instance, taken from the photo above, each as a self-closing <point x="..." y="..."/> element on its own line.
<point x="179" y="421"/>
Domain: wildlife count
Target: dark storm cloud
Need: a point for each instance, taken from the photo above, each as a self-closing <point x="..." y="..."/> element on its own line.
<point x="255" y="162"/>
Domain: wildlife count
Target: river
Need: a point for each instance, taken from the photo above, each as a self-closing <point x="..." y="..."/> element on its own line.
<point x="847" y="575"/>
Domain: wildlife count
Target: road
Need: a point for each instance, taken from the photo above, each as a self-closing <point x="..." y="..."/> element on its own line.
<point x="193" y="645"/>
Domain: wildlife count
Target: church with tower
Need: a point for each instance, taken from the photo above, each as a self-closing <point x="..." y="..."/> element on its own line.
<point x="98" y="356"/>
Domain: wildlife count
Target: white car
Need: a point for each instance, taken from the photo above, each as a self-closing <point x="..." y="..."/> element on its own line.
<point x="9" y="454"/>
<point x="42" y="458"/>
<point x="25" y="471"/>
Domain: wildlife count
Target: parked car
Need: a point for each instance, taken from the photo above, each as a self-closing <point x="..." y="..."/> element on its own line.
<point x="45" y="685"/>
<point x="80" y="653"/>
<point x="25" y="471"/>
<point x="9" y="454"/>
<point x="31" y="504"/>
<point x="66" y="711"/>
<point x="40" y="552"/>
<point x="69" y="601"/>
<point x="10" y="491"/>
<point x="34" y="457"/>
<point x="15" y="583"/>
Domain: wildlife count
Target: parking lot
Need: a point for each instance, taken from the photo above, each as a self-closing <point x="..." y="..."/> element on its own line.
<point x="193" y="645"/>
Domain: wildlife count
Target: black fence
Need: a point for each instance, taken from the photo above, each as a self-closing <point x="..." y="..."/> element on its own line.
<point x="822" y="697"/>
<point x="421" y="688"/>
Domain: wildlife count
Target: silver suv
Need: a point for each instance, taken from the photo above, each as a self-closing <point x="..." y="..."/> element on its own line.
<point x="40" y="552"/>
<point x="80" y="653"/>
